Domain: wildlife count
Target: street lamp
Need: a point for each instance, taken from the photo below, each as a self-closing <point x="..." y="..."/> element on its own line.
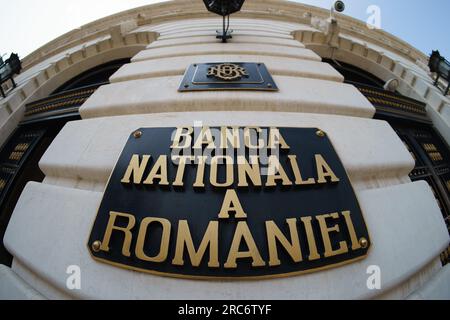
<point x="8" y="69"/>
<point x="224" y="8"/>
<point x="441" y="67"/>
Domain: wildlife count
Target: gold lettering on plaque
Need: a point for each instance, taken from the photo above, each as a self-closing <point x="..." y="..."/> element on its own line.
<point x="276" y="172"/>
<point x="276" y="139"/>
<point x="324" y="171"/>
<point x="313" y="253"/>
<point x="159" y="172"/>
<point x="127" y="231"/>
<point x="274" y="235"/>
<point x="232" y="204"/>
<point x="205" y="138"/>
<point x="136" y="169"/>
<point x="165" y="238"/>
<point x="298" y="176"/>
<point x="230" y="137"/>
<point x="250" y="170"/>
<point x="326" y="230"/>
<point x="200" y="172"/>
<point x="243" y="233"/>
<point x="301" y="239"/>
<point x="228" y="161"/>
<point x="227" y="72"/>
<point x="182" y="161"/>
<point x="184" y="240"/>
<point x="351" y="229"/>
<point x="182" y="135"/>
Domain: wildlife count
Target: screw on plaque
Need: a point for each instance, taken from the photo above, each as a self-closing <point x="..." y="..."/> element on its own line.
<point x="320" y="133"/>
<point x="364" y="243"/>
<point x="96" y="246"/>
<point x="137" y="134"/>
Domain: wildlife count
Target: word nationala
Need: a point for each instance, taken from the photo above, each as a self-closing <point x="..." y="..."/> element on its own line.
<point x="242" y="166"/>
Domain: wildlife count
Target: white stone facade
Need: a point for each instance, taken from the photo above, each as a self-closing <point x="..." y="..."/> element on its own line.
<point x="50" y="226"/>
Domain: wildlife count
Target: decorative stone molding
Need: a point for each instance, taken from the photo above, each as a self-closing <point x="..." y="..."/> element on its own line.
<point x="144" y="94"/>
<point x="412" y="84"/>
<point x="121" y="44"/>
<point x="118" y="32"/>
<point x="190" y="9"/>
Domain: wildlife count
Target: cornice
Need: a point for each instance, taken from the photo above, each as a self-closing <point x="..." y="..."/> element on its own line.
<point x="280" y="10"/>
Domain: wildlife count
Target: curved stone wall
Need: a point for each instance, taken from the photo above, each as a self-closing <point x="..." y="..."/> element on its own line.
<point x="51" y="223"/>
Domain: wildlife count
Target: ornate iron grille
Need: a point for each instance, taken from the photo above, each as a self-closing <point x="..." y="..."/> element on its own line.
<point x="59" y="105"/>
<point x="409" y="119"/>
<point x="394" y="105"/>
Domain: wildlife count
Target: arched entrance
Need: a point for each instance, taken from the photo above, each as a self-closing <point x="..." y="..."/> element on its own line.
<point x="42" y="122"/>
<point x="409" y="119"/>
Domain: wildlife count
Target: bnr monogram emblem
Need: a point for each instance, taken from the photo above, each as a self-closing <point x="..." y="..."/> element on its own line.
<point x="227" y="71"/>
<point x="227" y="75"/>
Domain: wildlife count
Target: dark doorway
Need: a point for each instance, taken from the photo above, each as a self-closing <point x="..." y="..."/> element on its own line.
<point x="408" y="117"/>
<point x="44" y="119"/>
<point x="354" y="74"/>
<point x="99" y="74"/>
<point x="19" y="160"/>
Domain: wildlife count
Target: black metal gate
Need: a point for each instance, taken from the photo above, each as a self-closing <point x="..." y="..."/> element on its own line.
<point x="409" y="119"/>
<point x="20" y="155"/>
<point x="44" y="119"/>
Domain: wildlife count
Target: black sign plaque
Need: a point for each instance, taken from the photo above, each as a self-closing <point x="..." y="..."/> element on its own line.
<point x="227" y="76"/>
<point x="229" y="203"/>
